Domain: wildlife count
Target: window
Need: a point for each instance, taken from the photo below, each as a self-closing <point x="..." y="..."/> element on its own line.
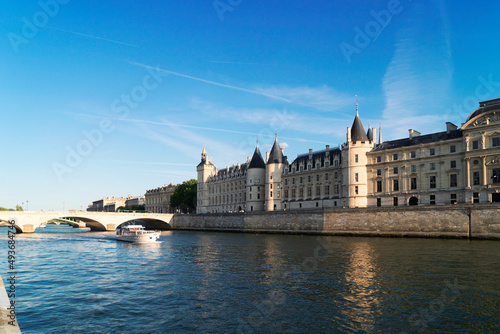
<point x="356" y="158"/>
<point x="318" y="190"/>
<point x="356" y="177"/>
<point x="326" y="176"/>
<point x="495" y="142"/>
<point x="432" y="151"/>
<point x="453" y="149"/>
<point x="258" y="196"/>
<point x="379" y="172"/>
<point x="433" y="166"/>
<point x="496" y="175"/>
<point x="395" y="170"/>
<point x="395" y="201"/>
<point x="271" y="194"/>
<point x="475" y="145"/>
<point x="475" y="197"/>
<point x="379" y="159"/>
<point x="453" y="164"/>
<point x="293" y="180"/>
<point x="379" y="202"/>
<point x="286" y="182"/>
<point x="317" y="177"/>
<point x="432" y="182"/>
<point x="432" y="200"/>
<point x="309" y="178"/>
<point x="335" y="176"/>
<point x="309" y="191"/>
<point x="413" y="168"/>
<point x="395" y="185"/>
<point x="301" y="179"/>
<point x="379" y="186"/>
<point x="336" y="189"/>
<point x="395" y="156"/>
<point x="453" y="180"/>
<point x="286" y="193"/>
<point x="271" y="186"/>
<point x="413" y="154"/>
<point x="327" y="190"/>
<point x="356" y="190"/>
<point x="475" y="179"/>
<point x="293" y="193"/>
<point x="301" y="192"/>
<point x="453" y="198"/>
<point x="413" y="183"/>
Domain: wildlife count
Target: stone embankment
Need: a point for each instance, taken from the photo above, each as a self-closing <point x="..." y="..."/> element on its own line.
<point x="456" y="221"/>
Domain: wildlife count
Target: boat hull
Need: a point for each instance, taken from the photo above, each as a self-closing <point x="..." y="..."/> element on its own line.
<point x="139" y="239"/>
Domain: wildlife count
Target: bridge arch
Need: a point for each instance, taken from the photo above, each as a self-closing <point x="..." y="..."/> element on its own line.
<point x="4" y="222"/>
<point x="94" y="225"/>
<point x="150" y="222"/>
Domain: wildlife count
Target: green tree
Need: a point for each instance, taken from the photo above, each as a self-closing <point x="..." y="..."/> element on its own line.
<point x="19" y="208"/>
<point x="184" y="196"/>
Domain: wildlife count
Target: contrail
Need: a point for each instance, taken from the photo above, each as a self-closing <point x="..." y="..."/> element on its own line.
<point x="95" y="37"/>
<point x="193" y="127"/>
<point x="212" y="82"/>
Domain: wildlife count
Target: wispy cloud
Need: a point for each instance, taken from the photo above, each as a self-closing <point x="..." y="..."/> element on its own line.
<point x="417" y="82"/>
<point x="212" y="82"/>
<point x="95" y="37"/>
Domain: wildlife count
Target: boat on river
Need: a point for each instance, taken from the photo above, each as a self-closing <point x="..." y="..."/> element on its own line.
<point x="137" y="234"/>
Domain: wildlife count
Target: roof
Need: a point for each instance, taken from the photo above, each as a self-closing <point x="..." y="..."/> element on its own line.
<point x="232" y="169"/>
<point x="257" y="161"/>
<point x="369" y="134"/>
<point x="357" y="131"/>
<point x="276" y="157"/>
<point x="425" y="139"/>
<point x="303" y="158"/>
<point x="484" y="107"/>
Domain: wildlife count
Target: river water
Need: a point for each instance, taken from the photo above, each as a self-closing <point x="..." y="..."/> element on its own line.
<point x="202" y="282"/>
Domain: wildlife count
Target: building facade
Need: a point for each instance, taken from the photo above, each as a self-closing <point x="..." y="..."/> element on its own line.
<point x="106" y="204"/>
<point x="158" y="200"/>
<point x="459" y="165"/>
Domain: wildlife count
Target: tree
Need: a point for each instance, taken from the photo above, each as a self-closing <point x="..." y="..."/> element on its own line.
<point x="19" y="208"/>
<point x="184" y="196"/>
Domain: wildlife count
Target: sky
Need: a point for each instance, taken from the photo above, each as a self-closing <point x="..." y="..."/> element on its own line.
<point x="111" y="98"/>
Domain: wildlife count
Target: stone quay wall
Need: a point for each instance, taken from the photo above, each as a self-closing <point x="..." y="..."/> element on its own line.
<point x="477" y="221"/>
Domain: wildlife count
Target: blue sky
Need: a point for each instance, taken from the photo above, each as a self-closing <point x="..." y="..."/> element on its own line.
<point x="113" y="98"/>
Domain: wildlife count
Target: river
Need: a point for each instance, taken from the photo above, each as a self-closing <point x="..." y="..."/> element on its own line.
<point x="204" y="282"/>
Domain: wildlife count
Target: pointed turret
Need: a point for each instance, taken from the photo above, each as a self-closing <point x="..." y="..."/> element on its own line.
<point x="357" y="131"/>
<point x="257" y="161"/>
<point x="369" y="133"/>
<point x="276" y="156"/>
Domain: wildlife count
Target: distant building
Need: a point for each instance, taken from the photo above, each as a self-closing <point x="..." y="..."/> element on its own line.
<point x="158" y="200"/>
<point x="459" y="165"/>
<point x="135" y="201"/>
<point x="106" y="204"/>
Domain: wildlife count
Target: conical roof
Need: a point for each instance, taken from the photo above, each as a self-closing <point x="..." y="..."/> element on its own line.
<point x="357" y="131"/>
<point x="275" y="157"/>
<point x="257" y="161"/>
<point x="369" y="133"/>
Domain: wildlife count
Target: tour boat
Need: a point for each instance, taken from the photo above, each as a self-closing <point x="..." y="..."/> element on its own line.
<point x="137" y="234"/>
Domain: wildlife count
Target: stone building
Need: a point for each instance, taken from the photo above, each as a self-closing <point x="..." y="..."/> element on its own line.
<point x="158" y="200"/>
<point x="134" y="201"/>
<point x="106" y="204"/>
<point x="459" y="165"/>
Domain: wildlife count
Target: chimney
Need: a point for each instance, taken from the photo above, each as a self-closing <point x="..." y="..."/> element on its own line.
<point x="380" y="134"/>
<point x="310" y="153"/>
<point x="282" y="150"/>
<point x="348" y="134"/>
<point x="374" y="131"/>
<point x="267" y="156"/>
<point x="450" y="127"/>
<point x="413" y="133"/>
<point x="327" y="148"/>
<point x="248" y="160"/>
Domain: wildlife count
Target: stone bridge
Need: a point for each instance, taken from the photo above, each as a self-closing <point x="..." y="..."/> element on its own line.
<point x="28" y="221"/>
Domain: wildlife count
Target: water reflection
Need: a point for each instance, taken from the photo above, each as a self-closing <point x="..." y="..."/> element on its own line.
<point x="360" y="275"/>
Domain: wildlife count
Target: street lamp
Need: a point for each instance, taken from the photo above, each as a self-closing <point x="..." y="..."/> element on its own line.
<point x="27" y="207"/>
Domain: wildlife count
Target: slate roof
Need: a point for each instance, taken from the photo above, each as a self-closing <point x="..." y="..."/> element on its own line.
<point x="304" y="158"/>
<point x="357" y="131"/>
<point x="369" y="134"/>
<point x="425" y="139"/>
<point x="257" y="161"/>
<point x="232" y="169"/>
<point x="484" y="107"/>
<point x="276" y="157"/>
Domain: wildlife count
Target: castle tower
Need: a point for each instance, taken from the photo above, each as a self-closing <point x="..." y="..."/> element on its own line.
<point x="274" y="170"/>
<point x="256" y="182"/>
<point x="205" y="169"/>
<point x="354" y="161"/>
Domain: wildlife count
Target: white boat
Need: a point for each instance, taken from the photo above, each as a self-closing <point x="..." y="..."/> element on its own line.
<point x="137" y="234"/>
